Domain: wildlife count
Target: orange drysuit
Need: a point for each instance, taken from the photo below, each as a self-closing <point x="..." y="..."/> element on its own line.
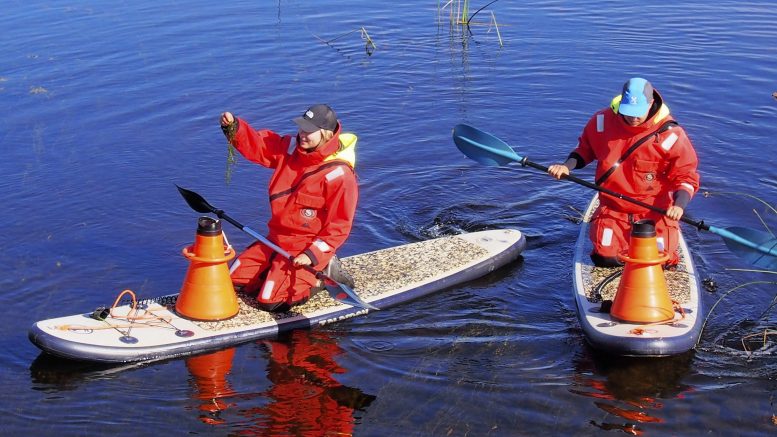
<point x="313" y="199"/>
<point x="654" y="173"/>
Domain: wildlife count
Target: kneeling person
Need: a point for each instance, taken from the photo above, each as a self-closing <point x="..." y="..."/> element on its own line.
<point x="643" y="153"/>
<point x="312" y="193"/>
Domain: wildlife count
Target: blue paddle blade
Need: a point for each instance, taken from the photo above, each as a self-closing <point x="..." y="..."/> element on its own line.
<point x="756" y="247"/>
<point x="483" y="147"/>
<point x="343" y="294"/>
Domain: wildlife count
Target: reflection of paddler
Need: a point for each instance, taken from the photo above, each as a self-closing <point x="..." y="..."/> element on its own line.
<point x="209" y="375"/>
<point x="305" y="397"/>
<point x="632" y="388"/>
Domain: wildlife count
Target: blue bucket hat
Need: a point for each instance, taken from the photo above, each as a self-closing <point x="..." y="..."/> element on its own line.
<point x="636" y="98"/>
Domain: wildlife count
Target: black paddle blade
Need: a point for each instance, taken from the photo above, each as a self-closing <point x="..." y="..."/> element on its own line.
<point x="343" y="294"/>
<point x="195" y="201"/>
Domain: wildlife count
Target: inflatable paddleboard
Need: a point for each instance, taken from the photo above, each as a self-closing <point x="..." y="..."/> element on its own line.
<point x="597" y="285"/>
<point x="152" y="330"/>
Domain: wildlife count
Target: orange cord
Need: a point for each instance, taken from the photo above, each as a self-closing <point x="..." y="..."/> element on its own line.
<point x="148" y="315"/>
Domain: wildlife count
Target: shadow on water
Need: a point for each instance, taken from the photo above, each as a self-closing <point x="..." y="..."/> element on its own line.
<point x="631" y="388"/>
<point x="49" y="372"/>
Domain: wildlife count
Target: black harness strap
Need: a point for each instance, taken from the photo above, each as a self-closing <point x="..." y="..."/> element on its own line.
<point x="668" y="125"/>
<point x="306" y="175"/>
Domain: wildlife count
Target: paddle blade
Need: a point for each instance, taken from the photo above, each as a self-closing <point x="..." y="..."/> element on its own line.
<point x="343" y="294"/>
<point x="483" y="147"/>
<point x="756" y="247"/>
<point x="195" y="201"/>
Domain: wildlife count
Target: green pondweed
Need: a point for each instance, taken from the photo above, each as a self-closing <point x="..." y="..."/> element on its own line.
<point x="231" y="161"/>
<point x="459" y="15"/>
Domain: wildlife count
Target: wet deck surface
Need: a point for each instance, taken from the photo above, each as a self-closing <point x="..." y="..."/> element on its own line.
<point x="374" y="273"/>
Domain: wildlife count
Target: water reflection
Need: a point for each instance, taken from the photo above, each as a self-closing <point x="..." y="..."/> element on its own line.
<point x="209" y="376"/>
<point x="631" y="388"/>
<point x="304" y="398"/>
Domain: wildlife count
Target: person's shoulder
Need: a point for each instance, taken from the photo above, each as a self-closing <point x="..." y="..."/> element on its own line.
<point x="599" y="115"/>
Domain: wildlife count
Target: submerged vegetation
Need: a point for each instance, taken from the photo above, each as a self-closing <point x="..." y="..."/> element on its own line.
<point x="369" y="44"/>
<point x="762" y="339"/>
<point x="458" y="14"/>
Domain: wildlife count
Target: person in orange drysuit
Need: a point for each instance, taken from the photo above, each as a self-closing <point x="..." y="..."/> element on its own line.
<point x="643" y="153"/>
<point x="313" y="194"/>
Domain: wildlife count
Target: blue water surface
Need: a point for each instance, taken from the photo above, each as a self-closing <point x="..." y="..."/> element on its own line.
<point x="107" y="105"/>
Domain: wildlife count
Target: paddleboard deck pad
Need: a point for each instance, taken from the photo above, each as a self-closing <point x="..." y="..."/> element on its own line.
<point x="384" y="278"/>
<point x="595" y="285"/>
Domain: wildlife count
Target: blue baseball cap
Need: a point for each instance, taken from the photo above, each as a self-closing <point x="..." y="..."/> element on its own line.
<point x="636" y="98"/>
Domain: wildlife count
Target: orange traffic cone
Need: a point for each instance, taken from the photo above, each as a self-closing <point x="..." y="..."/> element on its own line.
<point x="207" y="292"/>
<point x="642" y="296"/>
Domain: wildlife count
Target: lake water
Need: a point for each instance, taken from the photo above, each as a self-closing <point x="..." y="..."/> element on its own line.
<point x="107" y="105"/>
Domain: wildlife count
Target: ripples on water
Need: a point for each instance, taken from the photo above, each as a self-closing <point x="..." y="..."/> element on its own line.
<point x="109" y="105"/>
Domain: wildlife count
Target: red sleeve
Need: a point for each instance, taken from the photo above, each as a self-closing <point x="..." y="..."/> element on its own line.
<point x="584" y="150"/>
<point x="263" y="147"/>
<point x="342" y="193"/>
<point x="682" y="173"/>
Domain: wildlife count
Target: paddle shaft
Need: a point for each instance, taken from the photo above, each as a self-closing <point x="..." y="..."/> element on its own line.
<point x="526" y="163"/>
<point x="221" y="214"/>
<point x="490" y="150"/>
<point x="763" y="248"/>
<point x="199" y="204"/>
<point x="505" y="151"/>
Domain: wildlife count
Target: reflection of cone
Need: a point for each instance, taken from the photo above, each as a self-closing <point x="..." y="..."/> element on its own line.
<point x="209" y="372"/>
<point x="642" y="296"/>
<point x="207" y="292"/>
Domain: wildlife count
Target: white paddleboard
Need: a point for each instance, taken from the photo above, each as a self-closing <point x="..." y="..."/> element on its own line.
<point x="383" y="278"/>
<point x="611" y="335"/>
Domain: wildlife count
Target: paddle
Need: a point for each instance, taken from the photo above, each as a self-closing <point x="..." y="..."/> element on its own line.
<point x="339" y="292"/>
<point x="757" y="247"/>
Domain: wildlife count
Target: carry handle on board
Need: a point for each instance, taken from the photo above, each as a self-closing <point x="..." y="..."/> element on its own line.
<point x="339" y="292"/>
<point x="757" y="247"/>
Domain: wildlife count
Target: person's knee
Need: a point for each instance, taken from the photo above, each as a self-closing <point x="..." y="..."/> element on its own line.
<point x="605" y="261"/>
<point x="280" y="306"/>
<point x="274" y="307"/>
